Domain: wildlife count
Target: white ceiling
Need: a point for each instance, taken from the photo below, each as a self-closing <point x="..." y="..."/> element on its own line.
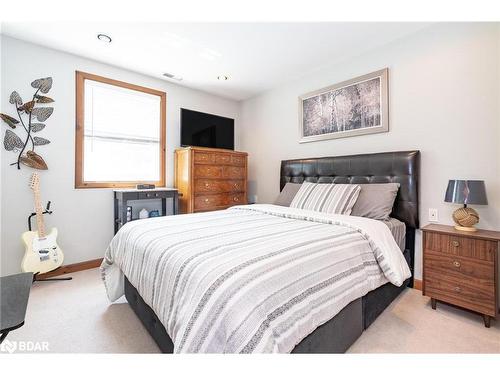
<point x="255" y="56"/>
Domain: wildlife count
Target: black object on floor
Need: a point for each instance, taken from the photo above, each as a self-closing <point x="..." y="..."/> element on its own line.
<point x="14" y="294"/>
<point x="35" y="277"/>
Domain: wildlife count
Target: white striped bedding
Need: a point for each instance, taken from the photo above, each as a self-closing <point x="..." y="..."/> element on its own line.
<point x="249" y="279"/>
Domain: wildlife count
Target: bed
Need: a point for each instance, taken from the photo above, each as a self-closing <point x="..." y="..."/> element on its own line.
<point x="235" y="324"/>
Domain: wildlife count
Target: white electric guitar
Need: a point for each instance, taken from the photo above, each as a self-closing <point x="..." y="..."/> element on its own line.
<point x="42" y="251"/>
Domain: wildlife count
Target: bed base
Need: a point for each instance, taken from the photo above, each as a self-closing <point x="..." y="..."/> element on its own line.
<point x="148" y="318"/>
<point x="335" y="336"/>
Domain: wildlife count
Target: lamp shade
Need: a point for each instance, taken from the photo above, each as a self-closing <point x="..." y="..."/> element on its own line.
<point x="466" y="192"/>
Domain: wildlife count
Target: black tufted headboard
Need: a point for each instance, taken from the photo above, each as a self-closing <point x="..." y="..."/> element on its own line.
<point x="400" y="166"/>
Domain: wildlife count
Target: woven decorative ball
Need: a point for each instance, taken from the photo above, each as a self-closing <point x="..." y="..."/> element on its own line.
<point x="466" y="217"/>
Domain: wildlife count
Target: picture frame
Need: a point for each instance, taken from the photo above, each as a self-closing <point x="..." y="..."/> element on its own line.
<point x="358" y="106"/>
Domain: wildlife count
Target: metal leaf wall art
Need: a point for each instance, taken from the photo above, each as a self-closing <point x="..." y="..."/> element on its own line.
<point x="15" y="98"/>
<point x="33" y="160"/>
<point x="42" y="84"/>
<point x="27" y="113"/>
<point x="11" y="121"/>
<point x="39" y="141"/>
<point x="11" y="141"/>
<point x="44" y="99"/>
<point x="37" y="126"/>
<point x="43" y="113"/>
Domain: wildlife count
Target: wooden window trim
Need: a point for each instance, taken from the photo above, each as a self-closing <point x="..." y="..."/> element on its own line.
<point x="79" y="149"/>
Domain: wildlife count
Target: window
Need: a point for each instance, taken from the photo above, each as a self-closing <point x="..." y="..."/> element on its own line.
<point x="120" y="133"/>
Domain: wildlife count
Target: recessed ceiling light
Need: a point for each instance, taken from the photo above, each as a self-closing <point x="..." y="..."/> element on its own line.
<point x="172" y="76"/>
<point x="222" y="78"/>
<point x="104" y="38"/>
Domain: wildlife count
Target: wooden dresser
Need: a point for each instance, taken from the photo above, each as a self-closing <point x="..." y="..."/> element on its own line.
<point x="461" y="268"/>
<point x="210" y="179"/>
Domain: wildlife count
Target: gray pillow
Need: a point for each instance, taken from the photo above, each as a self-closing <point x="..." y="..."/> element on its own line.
<point x="375" y="201"/>
<point x="287" y="194"/>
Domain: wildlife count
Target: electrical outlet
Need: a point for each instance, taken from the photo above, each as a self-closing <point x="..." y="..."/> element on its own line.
<point x="433" y="214"/>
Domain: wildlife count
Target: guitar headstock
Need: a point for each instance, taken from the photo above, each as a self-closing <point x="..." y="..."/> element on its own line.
<point x="35" y="181"/>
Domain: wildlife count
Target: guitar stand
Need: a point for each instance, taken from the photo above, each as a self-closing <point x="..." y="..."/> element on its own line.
<point x="47" y="211"/>
<point x="35" y="278"/>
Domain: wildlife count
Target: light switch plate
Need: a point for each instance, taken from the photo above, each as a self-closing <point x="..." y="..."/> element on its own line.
<point x="433" y="215"/>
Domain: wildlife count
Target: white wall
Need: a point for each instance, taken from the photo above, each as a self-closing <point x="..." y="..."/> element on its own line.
<point x="444" y="101"/>
<point x="84" y="217"/>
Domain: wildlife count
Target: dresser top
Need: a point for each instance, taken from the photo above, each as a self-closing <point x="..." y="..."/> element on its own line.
<point x="208" y="149"/>
<point x="481" y="234"/>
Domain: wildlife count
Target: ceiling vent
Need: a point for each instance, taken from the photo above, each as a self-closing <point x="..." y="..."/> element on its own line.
<point x="172" y="76"/>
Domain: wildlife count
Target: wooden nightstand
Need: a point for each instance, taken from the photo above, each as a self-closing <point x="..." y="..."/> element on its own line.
<point x="461" y="268"/>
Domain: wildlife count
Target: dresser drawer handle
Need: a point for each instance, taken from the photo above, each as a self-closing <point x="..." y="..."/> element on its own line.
<point x="236" y="199"/>
<point x="207" y="185"/>
<point x="236" y="186"/>
<point x="456" y="244"/>
<point x="457" y="289"/>
<point x="456" y="263"/>
<point x="207" y="200"/>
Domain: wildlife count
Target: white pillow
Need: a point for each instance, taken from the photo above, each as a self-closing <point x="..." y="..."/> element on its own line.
<point x="327" y="198"/>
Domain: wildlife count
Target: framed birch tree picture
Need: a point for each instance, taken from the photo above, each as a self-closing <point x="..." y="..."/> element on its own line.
<point x="355" y="107"/>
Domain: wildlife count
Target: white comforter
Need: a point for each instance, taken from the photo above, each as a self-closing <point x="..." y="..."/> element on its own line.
<point x="256" y="278"/>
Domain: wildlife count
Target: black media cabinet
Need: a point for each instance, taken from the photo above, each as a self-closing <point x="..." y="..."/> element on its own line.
<point x="122" y="196"/>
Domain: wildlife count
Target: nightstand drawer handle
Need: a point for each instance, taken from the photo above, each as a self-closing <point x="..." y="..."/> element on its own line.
<point x="207" y="200"/>
<point x="456" y="263"/>
<point x="456" y="243"/>
<point x="457" y="289"/>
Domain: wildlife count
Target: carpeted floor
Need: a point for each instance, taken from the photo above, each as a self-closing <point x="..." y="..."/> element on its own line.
<point x="75" y="316"/>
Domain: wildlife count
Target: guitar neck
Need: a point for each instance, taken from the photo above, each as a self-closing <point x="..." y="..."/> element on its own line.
<point x="39" y="213"/>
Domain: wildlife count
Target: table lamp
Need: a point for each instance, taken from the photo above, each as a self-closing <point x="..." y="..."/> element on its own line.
<point x="466" y="192"/>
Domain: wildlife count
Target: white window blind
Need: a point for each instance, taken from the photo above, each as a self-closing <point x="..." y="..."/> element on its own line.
<point x="122" y="130"/>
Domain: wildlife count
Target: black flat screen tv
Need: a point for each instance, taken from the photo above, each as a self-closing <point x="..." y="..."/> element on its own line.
<point x="206" y="130"/>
